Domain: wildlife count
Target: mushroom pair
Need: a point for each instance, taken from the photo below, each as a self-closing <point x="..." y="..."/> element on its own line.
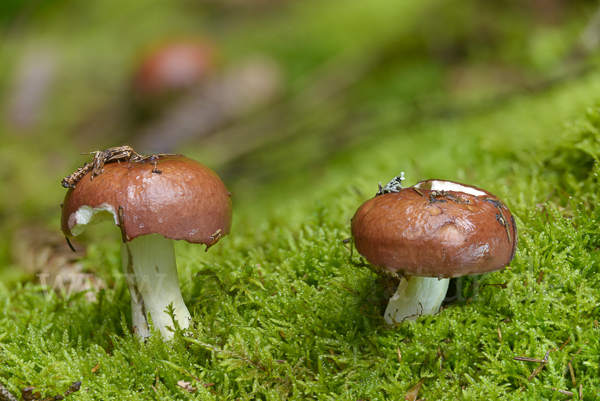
<point x="429" y="233"/>
<point x="424" y="234"/>
<point x="154" y="200"/>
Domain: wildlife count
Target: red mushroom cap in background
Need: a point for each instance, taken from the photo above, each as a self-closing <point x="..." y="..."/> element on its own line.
<point x="180" y="200"/>
<point x="421" y="232"/>
<point x="174" y="66"/>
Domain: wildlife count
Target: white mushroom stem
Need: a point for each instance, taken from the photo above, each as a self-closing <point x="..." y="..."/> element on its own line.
<point x="416" y="296"/>
<point x="151" y="271"/>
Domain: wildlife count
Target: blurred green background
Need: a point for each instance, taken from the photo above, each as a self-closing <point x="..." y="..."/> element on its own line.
<point x="301" y="107"/>
<point x="289" y="85"/>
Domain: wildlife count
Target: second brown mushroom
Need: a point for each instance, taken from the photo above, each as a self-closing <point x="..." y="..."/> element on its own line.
<point x="429" y="233"/>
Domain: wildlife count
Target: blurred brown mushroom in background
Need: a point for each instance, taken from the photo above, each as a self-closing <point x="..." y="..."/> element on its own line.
<point x="170" y="69"/>
<point x="180" y="92"/>
<point x="211" y="105"/>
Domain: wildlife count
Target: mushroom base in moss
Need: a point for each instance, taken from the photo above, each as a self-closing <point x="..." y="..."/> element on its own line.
<point x="151" y="271"/>
<point x="415" y="297"/>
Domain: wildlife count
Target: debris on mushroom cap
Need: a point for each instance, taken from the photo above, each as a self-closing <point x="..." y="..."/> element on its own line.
<point x="432" y="232"/>
<point x="395" y="185"/>
<point x="172" y="195"/>
<point x="101" y="157"/>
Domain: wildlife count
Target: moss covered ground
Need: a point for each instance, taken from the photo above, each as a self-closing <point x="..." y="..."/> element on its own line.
<point x="282" y="309"/>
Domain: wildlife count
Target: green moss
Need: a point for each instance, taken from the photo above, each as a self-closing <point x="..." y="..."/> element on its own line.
<point x="283" y="313"/>
<point x="282" y="309"/>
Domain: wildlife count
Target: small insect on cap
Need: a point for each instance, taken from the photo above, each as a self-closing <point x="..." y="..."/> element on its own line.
<point x="435" y="229"/>
<point x="173" y="196"/>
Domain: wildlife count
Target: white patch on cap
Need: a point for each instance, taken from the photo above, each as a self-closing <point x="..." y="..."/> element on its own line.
<point x="87" y="215"/>
<point x="473" y="254"/>
<point x="437" y="185"/>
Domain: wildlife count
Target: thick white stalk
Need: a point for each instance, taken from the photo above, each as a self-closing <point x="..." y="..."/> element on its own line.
<point x="151" y="271"/>
<point x="416" y="296"/>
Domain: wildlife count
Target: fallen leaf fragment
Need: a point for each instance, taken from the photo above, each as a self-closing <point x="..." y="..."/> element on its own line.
<point x="414" y="392"/>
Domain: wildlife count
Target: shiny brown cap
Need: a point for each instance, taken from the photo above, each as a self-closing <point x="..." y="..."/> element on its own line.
<point x="423" y="231"/>
<point x="173" y="196"/>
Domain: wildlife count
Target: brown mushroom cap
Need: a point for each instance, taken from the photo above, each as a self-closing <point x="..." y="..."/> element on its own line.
<point x="184" y="201"/>
<point x="421" y="232"/>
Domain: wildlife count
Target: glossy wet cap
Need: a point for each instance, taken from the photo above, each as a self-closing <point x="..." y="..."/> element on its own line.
<point x="431" y="232"/>
<point x="173" y="196"/>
